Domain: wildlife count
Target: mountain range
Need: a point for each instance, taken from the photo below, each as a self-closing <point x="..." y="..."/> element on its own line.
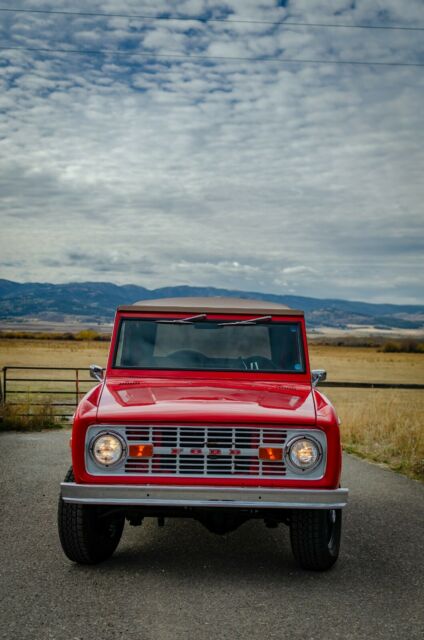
<point x="98" y="301"/>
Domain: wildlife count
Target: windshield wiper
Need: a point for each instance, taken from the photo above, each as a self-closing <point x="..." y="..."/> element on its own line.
<point x="202" y="316"/>
<point x="251" y="321"/>
<point x="188" y="320"/>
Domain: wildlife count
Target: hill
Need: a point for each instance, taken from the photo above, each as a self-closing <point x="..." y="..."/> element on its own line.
<point x="98" y="301"/>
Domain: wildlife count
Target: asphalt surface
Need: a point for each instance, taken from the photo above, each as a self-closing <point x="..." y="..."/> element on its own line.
<point x="181" y="581"/>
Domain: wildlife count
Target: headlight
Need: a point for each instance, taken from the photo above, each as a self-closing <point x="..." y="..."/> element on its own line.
<point x="107" y="449"/>
<point x="304" y="453"/>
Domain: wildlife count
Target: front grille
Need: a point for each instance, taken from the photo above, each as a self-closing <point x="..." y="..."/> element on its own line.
<point x="205" y="451"/>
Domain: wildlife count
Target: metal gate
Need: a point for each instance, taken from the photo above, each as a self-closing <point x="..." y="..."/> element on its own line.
<point x="59" y="387"/>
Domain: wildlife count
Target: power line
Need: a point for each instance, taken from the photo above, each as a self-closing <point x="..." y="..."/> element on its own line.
<point x="283" y="23"/>
<point x="146" y="54"/>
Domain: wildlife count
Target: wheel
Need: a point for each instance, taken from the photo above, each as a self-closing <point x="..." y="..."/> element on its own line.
<point x="315" y="537"/>
<point x="88" y="534"/>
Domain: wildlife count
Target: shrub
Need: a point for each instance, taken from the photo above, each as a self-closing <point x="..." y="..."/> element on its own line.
<point x="23" y="417"/>
<point x="403" y="346"/>
<point x="87" y="334"/>
<point x="391" y="347"/>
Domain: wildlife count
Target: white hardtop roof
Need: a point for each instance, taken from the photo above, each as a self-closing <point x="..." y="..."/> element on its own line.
<point x="217" y="304"/>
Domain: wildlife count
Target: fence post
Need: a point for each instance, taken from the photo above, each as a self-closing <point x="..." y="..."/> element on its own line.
<point x="76" y="388"/>
<point x="3" y="392"/>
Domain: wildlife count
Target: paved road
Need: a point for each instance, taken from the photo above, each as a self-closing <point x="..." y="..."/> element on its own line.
<point x="181" y="582"/>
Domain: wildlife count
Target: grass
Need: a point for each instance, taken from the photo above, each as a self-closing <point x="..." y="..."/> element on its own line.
<point x="406" y="346"/>
<point x="24" y="417"/>
<point x="351" y="364"/>
<point x="84" y="334"/>
<point x="383" y="425"/>
<point x="386" y="426"/>
<point x="342" y="363"/>
<point x="54" y="353"/>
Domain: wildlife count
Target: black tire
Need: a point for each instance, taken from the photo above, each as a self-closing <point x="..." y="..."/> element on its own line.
<point x="315" y="537"/>
<point x="87" y="534"/>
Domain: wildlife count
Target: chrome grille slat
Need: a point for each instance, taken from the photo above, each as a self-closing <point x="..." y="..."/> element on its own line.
<point x="237" y="447"/>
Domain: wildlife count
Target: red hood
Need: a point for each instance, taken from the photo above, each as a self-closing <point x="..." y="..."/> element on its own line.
<point x="233" y="401"/>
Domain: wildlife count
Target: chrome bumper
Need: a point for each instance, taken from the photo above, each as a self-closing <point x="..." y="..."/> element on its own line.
<point x="200" y="496"/>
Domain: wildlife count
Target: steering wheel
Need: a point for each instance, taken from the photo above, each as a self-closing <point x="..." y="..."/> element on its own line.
<point x="259" y="363"/>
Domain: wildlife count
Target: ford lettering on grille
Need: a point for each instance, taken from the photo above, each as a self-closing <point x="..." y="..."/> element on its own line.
<point x="202" y="451"/>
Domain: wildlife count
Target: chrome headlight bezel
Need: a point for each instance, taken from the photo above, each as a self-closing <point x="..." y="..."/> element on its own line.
<point x="297" y="467"/>
<point x="121" y="441"/>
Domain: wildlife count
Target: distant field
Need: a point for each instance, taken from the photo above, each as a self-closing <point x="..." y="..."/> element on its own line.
<point x="54" y="353"/>
<point x="367" y="364"/>
<point x="341" y="363"/>
<point x="384" y="425"/>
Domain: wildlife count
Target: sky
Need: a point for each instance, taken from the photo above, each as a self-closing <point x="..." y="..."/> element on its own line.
<point x="259" y="175"/>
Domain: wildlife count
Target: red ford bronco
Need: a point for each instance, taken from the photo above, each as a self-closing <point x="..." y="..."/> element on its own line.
<point x="208" y="410"/>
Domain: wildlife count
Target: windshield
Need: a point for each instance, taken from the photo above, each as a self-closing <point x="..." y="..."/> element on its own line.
<point x="210" y="345"/>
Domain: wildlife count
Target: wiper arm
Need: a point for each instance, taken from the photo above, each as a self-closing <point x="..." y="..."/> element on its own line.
<point x="200" y="316"/>
<point x="251" y="321"/>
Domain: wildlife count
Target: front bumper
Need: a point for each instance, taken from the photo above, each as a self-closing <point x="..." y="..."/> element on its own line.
<point x="176" y="496"/>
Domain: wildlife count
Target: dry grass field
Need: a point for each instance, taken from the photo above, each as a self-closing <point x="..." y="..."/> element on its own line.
<point x="384" y="425"/>
<point x="352" y="364"/>
<point x="341" y="363"/>
<point x="52" y="353"/>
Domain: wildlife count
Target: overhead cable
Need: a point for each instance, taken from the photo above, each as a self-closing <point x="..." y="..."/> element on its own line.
<point x="152" y="18"/>
<point x="182" y="56"/>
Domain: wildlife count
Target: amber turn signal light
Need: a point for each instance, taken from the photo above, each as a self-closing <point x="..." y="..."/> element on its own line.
<point x="141" y="450"/>
<point x="270" y="453"/>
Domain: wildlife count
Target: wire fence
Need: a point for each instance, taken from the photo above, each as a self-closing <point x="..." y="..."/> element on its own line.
<point x="61" y="388"/>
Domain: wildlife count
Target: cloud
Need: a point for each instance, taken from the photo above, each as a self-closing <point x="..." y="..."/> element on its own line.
<point x="300" y="269"/>
<point x="227" y="173"/>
